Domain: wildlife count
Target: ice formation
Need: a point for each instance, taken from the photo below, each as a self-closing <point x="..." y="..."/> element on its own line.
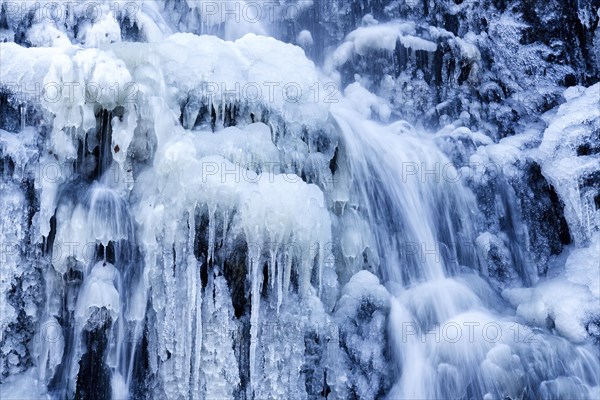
<point x="303" y="200"/>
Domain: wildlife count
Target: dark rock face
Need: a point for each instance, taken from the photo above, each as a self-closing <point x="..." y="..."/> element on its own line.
<point x="143" y="378"/>
<point x="529" y="51"/>
<point x="93" y="380"/>
<point x="544" y="215"/>
<point x="569" y="28"/>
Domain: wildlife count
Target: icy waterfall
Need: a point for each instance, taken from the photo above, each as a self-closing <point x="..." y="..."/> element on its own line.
<point x="202" y="212"/>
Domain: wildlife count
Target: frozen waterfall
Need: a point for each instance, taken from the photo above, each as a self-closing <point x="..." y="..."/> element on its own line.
<point x="298" y="200"/>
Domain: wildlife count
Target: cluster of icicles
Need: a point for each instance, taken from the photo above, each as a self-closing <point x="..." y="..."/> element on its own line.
<point x="236" y="227"/>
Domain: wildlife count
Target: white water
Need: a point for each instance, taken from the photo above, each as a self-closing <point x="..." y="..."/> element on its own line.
<point x="450" y="335"/>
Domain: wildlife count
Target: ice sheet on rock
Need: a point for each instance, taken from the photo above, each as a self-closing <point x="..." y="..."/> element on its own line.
<point x="570" y="126"/>
<point x="568" y="302"/>
<point x="98" y="291"/>
<point x="182" y="178"/>
<point x="379" y="37"/>
<point x="248" y="70"/>
<point x="569" y="175"/>
<point x="568" y="159"/>
<point x="211" y="18"/>
<point x="459" y="132"/>
<point x="498" y="259"/>
<point x="504" y="159"/>
<point x="363" y="285"/>
<point x="12" y="202"/>
<point x="84" y="67"/>
<point x="207" y="73"/>
<point x="355" y="240"/>
<point x="360" y="364"/>
<point x="45" y="34"/>
<point x="24" y="386"/>
<point x="22" y="149"/>
<point x="218" y="73"/>
<point x="283" y="215"/>
<point x="23" y="69"/>
<point x="103" y="31"/>
<point x="70" y="73"/>
<point x="250" y="147"/>
<point x="383" y="36"/>
<point x="467" y="45"/>
<point x="366" y="102"/>
<point x="80" y="78"/>
<point x="94" y="24"/>
<point x="515" y="59"/>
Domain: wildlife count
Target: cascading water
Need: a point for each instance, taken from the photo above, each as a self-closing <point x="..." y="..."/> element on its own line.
<point x="441" y="309"/>
<point x="195" y="217"/>
<point x="104" y="307"/>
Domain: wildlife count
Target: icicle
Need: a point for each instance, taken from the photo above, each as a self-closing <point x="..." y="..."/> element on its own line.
<point x="287" y="273"/>
<point x="280" y="267"/>
<point x="196" y="367"/>
<point x="254" y="260"/>
<point x="318" y="253"/>
<point x="225" y="222"/>
<point x="23" y="110"/>
<point x="170" y="290"/>
<point x="273" y="262"/>
<point x="305" y="273"/>
<point x="182" y="313"/>
<point x="191" y="229"/>
<point x="211" y="233"/>
<point x="51" y="353"/>
<point x="193" y="292"/>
